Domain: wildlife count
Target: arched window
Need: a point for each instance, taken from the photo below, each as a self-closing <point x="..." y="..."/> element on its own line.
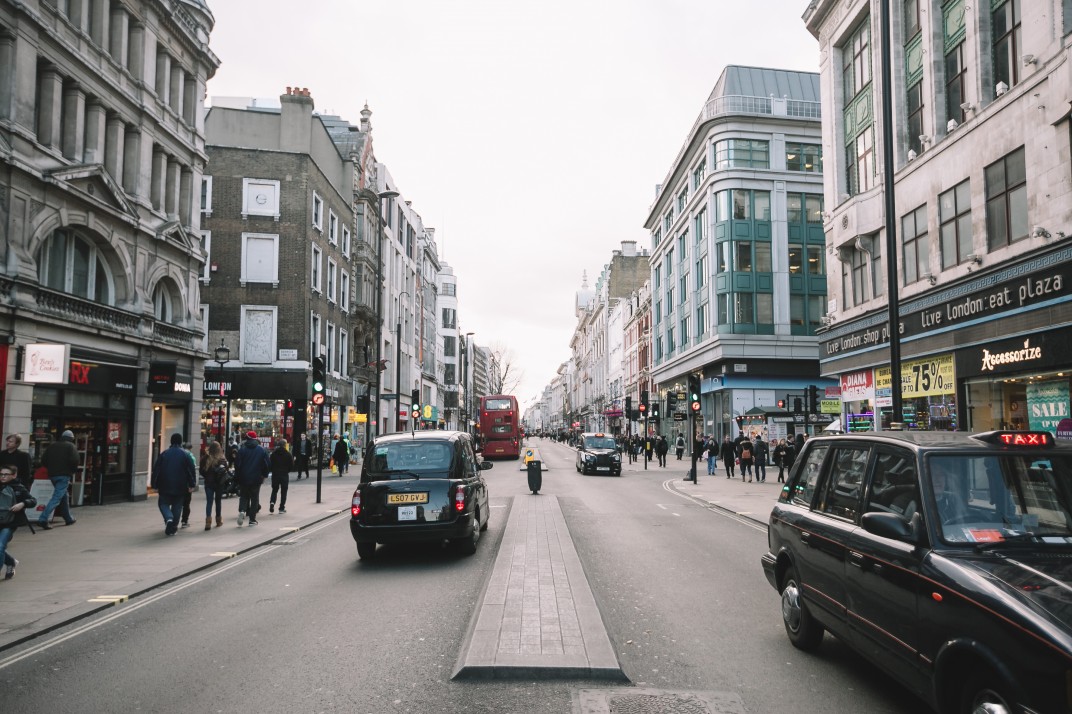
<point x="162" y="308"/>
<point x="70" y="263"/>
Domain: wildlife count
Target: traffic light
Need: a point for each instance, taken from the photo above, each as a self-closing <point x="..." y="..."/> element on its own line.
<point x="813" y="399"/>
<point x="320" y="380"/>
<point x="643" y="401"/>
<point x="415" y="403"/>
<point x="781" y="404"/>
<point x="694" y="393"/>
<point x="671" y="401"/>
<point x="363" y="403"/>
<point x="798" y="407"/>
<point x="288" y="407"/>
<point x="628" y="407"/>
<point x="655" y="410"/>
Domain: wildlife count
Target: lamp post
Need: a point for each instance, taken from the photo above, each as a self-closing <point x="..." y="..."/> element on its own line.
<point x="374" y="406"/>
<point x="222" y="357"/>
<point x="398" y="363"/>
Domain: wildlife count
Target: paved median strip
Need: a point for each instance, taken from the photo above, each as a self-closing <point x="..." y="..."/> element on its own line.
<point x="114" y="599"/>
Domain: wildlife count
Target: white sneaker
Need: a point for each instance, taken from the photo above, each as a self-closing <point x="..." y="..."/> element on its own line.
<point x="241" y="518"/>
<point x="10" y="573"/>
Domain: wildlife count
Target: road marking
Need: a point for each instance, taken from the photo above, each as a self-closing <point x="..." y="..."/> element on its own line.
<point x="711" y="506"/>
<point x="114" y="599"/>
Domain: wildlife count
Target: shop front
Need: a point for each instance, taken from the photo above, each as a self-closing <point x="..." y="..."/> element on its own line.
<point x="239" y="401"/>
<point x="97" y="404"/>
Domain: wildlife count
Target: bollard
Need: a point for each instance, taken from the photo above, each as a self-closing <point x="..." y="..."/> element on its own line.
<point x="535" y="474"/>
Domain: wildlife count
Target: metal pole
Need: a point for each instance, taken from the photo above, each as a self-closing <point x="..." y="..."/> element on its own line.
<point x="319" y="449"/>
<point x="398" y="369"/>
<point x="891" y="218"/>
<point x="692" y="446"/>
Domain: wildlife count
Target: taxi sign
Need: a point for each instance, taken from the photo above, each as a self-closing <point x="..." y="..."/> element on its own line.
<point x="1017" y="439"/>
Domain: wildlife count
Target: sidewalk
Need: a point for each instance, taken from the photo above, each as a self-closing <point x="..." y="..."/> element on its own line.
<point x="119" y="551"/>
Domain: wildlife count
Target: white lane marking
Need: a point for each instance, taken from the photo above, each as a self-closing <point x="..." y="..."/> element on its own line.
<point x="714" y="509"/>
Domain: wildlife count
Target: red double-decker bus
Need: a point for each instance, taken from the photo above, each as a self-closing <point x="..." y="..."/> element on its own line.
<point x="499" y="425"/>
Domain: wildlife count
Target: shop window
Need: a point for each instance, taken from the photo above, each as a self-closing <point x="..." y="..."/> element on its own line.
<point x="70" y="263"/>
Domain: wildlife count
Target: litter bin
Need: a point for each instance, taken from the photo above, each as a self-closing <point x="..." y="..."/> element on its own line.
<point x="535" y="473"/>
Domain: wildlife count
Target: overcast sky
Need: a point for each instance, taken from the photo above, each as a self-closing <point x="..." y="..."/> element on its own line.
<point x="529" y="134"/>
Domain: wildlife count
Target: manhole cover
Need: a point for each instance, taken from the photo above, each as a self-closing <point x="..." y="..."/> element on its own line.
<point x="655" y="701"/>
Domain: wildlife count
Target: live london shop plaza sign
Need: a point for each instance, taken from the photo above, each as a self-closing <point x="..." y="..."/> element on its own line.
<point x="1025" y="285"/>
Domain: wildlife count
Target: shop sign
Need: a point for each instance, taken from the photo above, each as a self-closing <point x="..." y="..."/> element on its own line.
<point x="47" y="364"/>
<point x="930" y="377"/>
<point x="1041" y="350"/>
<point x="162" y="377"/>
<point x="858" y="386"/>
<point x="96" y="377"/>
<point x="1018" y="287"/>
<point x="1064" y="429"/>
<point x="830" y="406"/>
<point x="1047" y="405"/>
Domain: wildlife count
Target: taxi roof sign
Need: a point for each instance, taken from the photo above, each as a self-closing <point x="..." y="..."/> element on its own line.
<point x="1017" y="439"/>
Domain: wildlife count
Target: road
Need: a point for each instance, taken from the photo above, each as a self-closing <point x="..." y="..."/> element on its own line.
<point x="302" y="625"/>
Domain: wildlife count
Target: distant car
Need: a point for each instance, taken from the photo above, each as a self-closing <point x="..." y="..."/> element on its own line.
<point x="420" y="486"/>
<point x="944" y="558"/>
<point x="598" y="453"/>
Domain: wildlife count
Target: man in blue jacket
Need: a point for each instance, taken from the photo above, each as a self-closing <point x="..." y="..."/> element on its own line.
<point x="173" y="477"/>
<point x="251" y="468"/>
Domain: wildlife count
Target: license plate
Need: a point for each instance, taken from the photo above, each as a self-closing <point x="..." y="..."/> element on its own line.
<point x="602" y="468"/>
<point x="407" y="513"/>
<point x="395" y="499"/>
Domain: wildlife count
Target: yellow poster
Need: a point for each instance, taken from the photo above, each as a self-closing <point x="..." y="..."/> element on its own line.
<point x="928" y="377"/>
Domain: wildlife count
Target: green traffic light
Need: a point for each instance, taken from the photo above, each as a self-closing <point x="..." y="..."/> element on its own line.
<point x="318" y="386"/>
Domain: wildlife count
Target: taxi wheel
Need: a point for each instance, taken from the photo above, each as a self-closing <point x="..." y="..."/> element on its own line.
<point x="467" y="546"/>
<point x="985" y="692"/>
<point x="366" y="551"/>
<point x="803" y="631"/>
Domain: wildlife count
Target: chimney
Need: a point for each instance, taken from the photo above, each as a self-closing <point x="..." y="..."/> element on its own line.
<point x="295" y="125"/>
<point x="629" y="248"/>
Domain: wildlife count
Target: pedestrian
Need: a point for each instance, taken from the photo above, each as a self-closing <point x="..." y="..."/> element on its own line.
<point x="15" y="498"/>
<point x="232" y="452"/>
<point x="661" y="449"/>
<point x="341" y="454"/>
<point x="173" y="477"/>
<point x="214" y="472"/>
<point x="280" y="462"/>
<point x="61" y="461"/>
<point x="788" y="456"/>
<point x="188" y="498"/>
<point x="12" y="456"/>
<point x="251" y="468"/>
<point x="776" y="454"/>
<point x="762" y="452"/>
<point x="649" y="448"/>
<point x="303" y="452"/>
<point x="679" y="446"/>
<point x="745" y="456"/>
<point x="729" y="456"/>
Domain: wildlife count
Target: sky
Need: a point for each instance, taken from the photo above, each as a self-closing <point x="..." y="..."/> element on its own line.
<point x="530" y="135"/>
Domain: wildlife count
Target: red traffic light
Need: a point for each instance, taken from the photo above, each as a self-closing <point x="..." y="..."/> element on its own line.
<point x="643" y="407"/>
<point x="781" y="404"/>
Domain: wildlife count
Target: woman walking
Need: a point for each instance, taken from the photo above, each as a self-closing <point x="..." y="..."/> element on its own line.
<point x="214" y="471"/>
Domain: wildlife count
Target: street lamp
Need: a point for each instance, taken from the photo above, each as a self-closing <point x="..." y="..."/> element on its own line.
<point x="375" y="404"/>
<point x="222" y="357"/>
<point x="398" y="363"/>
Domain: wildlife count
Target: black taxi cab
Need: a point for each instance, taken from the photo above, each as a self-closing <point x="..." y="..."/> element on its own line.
<point x="944" y="558"/>
<point x="598" y="453"/>
<point x="420" y="486"/>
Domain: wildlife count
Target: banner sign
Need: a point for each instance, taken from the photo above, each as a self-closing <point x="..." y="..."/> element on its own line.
<point x="46" y="364"/>
<point x="929" y="377"/>
<point x="1047" y="405"/>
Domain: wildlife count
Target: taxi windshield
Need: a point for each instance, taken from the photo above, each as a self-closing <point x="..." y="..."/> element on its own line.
<point x="410" y="457"/>
<point x="989" y="498"/>
<point x="599" y="442"/>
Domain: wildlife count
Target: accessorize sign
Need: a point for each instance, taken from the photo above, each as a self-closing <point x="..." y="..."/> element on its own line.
<point x="47" y="364"/>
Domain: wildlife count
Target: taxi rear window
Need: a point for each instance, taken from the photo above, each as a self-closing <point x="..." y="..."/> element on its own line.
<point x="409" y="456"/>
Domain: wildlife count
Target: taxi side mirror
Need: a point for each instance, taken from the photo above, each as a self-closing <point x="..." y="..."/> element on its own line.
<point x="893" y="526"/>
<point x="485" y="465"/>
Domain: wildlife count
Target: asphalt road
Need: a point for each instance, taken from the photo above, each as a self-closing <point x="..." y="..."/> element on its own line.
<point x="304" y="626"/>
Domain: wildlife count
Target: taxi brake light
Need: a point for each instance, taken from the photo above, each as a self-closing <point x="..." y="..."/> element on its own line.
<point x="355" y="505"/>
<point x="459" y="499"/>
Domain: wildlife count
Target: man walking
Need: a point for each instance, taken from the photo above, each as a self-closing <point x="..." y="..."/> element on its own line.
<point x="761" y="451"/>
<point x="728" y="452"/>
<point x="251" y="468"/>
<point x="281" y="463"/>
<point x="303" y="451"/>
<point x="174" y="478"/>
<point x="661" y="448"/>
<point x="61" y="462"/>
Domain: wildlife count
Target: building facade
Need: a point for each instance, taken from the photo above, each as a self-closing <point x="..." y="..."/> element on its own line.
<point x="982" y="189"/>
<point x="738" y="268"/>
<point x="102" y="148"/>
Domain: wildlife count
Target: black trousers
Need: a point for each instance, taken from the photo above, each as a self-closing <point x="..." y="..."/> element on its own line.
<point x="302" y="464"/>
<point x="280" y="484"/>
<point x="249" y="500"/>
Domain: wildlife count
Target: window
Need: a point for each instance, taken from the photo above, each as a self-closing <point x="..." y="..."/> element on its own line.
<point x="206" y="195"/>
<point x="801" y="489"/>
<point x="450" y="289"/>
<point x="344" y="353"/>
<point x="206" y="250"/>
<point x="763" y="257"/>
<point x="796" y="259"/>
<point x="916" y="244"/>
<point x="911" y="18"/>
<point x="260" y="197"/>
<point x="260" y="258"/>
<point x="860" y="293"/>
<point x="329" y="360"/>
<point x="1005" y="26"/>
<point x="742" y="153"/>
<point x="843" y="491"/>
<point x="449" y="346"/>
<point x="700" y="226"/>
<point x="698" y="174"/>
<point x="1006" y="200"/>
<point x="701" y="272"/>
<point x="744" y="312"/>
<point x="333" y="269"/>
<point x="346" y="241"/>
<point x="681" y="254"/>
<point x="764" y="309"/>
<point x="162" y="303"/>
<point x="669" y="262"/>
<point x="683" y="199"/>
<point x="318" y="211"/>
<point x="954" y="216"/>
<point x="670" y="340"/>
<point x="683" y="286"/>
<point x="314" y="278"/>
<point x="856" y="86"/>
<point x="333" y="228"/>
<point x="668" y="220"/>
<point x="684" y="331"/>
<point x="450" y="318"/>
<point x="258" y="333"/>
<point x="955" y="75"/>
<point x="914" y="103"/>
<point x="856" y="56"/>
<point x="743" y="250"/>
<point x="861" y="153"/>
<point x="804" y="157"/>
<point x="701" y="320"/>
<point x="658" y="311"/>
<point x="314" y="335"/>
<point x="69" y="263"/>
<point x="669" y="300"/>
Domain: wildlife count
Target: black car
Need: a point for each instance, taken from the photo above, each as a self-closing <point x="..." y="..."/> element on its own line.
<point x="944" y="558"/>
<point x="598" y="453"/>
<point x="420" y="486"/>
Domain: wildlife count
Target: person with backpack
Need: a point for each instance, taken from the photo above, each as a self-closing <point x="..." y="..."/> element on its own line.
<point x="745" y="456"/>
<point x="251" y="468"/>
<point x="679" y="446"/>
<point x="213" y="469"/>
